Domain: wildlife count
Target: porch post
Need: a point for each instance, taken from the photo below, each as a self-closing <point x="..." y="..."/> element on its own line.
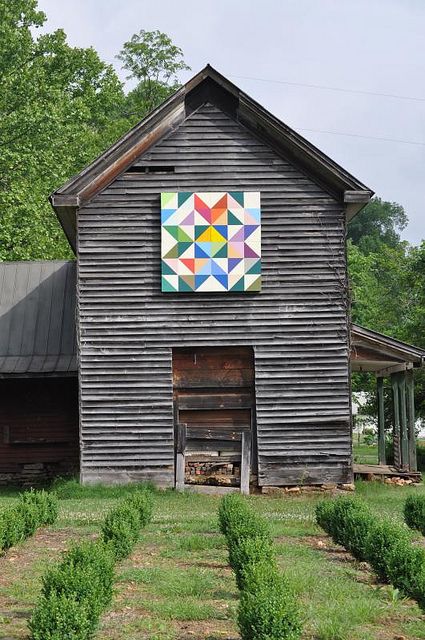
<point x="381" y="421"/>
<point x="411" y="419"/>
<point x="403" y="421"/>
<point x="396" y="421"/>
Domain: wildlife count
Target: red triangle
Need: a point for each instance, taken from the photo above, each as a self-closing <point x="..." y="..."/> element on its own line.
<point x="202" y="208"/>
<point x="189" y="263"/>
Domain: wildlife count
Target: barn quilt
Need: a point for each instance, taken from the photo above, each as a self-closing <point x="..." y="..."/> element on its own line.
<point x="211" y="241"/>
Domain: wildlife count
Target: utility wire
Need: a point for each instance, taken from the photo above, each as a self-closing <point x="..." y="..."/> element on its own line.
<point x="358" y="135"/>
<point x="328" y="88"/>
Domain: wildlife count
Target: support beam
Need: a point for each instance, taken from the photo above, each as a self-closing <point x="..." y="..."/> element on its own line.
<point x="410" y="387"/>
<point x="180" y="456"/>
<point x="396" y="421"/>
<point x="245" y="461"/>
<point x="403" y="421"/>
<point x="381" y="421"/>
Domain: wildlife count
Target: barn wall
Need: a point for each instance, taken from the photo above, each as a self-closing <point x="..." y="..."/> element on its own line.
<point x="38" y="429"/>
<point x="296" y="325"/>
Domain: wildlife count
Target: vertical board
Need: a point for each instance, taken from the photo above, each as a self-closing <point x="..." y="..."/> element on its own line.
<point x="297" y="325"/>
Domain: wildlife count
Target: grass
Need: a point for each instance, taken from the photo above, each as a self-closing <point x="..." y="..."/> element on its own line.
<point x="364" y="453"/>
<point x="177" y="584"/>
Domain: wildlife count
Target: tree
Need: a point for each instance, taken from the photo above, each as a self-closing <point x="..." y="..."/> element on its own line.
<point x="378" y="223"/>
<point x="57" y="108"/>
<point x="154" y="62"/>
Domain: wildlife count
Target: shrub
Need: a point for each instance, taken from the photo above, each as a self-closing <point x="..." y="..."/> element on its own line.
<point x="121" y="529"/>
<point x="267" y="608"/>
<point x="142" y="501"/>
<point x="385" y="541"/>
<point x="45" y="503"/>
<point x="414" y="512"/>
<point x="61" y="616"/>
<point x="249" y="552"/>
<point x="406" y="571"/>
<point x="34" y="508"/>
<point x="232" y="507"/>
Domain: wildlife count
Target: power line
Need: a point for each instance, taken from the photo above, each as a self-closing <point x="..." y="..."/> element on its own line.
<point x="359" y="135"/>
<point x="328" y="88"/>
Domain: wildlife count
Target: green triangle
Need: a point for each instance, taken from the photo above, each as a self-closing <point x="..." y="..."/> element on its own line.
<point x="222" y="253"/>
<point x="232" y="219"/>
<point x="183" y="196"/>
<point x="184" y="286"/>
<point x="165" y="199"/>
<point x="173" y="252"/>
<point x="166" y="286"/>
<point x="199" y="230"/>
<point x="239" y="286"/>
<point x="182" y="246"/>
<point x="216" y="247"/>
<point x="256" y="285"/>
<point x="256" y="268"/>
<point x="182" y="236"/>
<point x="167" y="270"/>
<point x="173" y="231"/>
<point x="238" y="196"/>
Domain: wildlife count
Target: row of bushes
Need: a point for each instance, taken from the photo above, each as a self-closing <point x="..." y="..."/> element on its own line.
<point x="385" y="545"/>
<point x="267" y="607"/>
<point x="34" y="509"/>
<point x="414" y="512"/>
<point x="77" y="590"/>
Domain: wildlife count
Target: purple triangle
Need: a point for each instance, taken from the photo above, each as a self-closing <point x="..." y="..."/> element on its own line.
<point x="239" y="236"/>
<point x="232" y="262"/>
<point x="249" y="253"/>
<point x="190" y="219"/>
<point x="250" y="228"/>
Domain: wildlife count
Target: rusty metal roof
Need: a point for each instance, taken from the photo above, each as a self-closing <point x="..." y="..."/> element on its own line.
<point x="37" y="318"/>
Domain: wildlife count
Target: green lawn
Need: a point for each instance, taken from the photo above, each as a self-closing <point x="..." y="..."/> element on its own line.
<point x="177" y="584"/>
<point x="363" y="453"/>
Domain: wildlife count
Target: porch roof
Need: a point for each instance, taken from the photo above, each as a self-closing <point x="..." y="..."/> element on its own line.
<point x="373" y="351"/>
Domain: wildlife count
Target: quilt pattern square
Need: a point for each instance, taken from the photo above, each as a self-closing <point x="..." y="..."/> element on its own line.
<point x="211" y="241"/>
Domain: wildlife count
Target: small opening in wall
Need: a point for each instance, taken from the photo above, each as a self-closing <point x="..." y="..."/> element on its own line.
<point x="151" y="169"/>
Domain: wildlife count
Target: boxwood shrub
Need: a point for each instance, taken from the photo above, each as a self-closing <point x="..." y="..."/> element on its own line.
<point x="414" y="512"/>
<point x="33" y="510"/>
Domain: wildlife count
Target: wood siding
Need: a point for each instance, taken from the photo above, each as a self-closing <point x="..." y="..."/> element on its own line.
<point x="297" y="325"/>
<point x="38" y="426"/>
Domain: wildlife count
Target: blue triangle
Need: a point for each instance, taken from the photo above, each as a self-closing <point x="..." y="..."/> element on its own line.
<point x="224" y="280"/>
<point x="221" y="228"/>
<point x="199" y="252"/>
<point x="206" y="269"/>
<point x="233" y="262"/>
<point x="199" y="280"/>
<point x="166" y="213"/>
<point x="216" y="270"/>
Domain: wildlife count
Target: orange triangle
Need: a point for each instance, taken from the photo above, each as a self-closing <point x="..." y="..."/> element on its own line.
<point x="189" y="263"/>
<point x="219" y="208"/>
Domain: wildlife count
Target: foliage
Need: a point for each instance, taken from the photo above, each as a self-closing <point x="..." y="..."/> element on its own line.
<point x="383" y="544"/>
<point x="34" y="509"/>
<point x="267" y="608"/>
<point x="414" y="512"/>
<point x="376" y="225"/>
<point x="77" y="590"/>
<point x="154" y="62"/>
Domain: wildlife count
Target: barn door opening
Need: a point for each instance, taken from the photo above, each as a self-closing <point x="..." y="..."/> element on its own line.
<point x="214" y="408"/>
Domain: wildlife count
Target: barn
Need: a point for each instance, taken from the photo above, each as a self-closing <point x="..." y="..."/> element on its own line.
<point x="212" y="305"/>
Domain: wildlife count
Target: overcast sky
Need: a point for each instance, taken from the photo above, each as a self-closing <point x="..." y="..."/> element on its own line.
<point x="373" y="46"/>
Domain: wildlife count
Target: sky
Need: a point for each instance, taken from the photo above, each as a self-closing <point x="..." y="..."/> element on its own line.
<point x="360" y="47"/>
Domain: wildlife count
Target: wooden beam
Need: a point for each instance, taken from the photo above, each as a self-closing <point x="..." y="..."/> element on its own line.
<point x="180" y="455"/>
<point x="245" y="462"/>
<point x="396" y="420"/>
<point x="410" y="387"/>
<point x="403" y="421"/>
<point x="397" y="368"/>
<point x="381" y="421"/>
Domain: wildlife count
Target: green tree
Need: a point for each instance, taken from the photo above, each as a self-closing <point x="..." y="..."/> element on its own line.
<point x="378" y="223"/>
<point x="154" y="62"/>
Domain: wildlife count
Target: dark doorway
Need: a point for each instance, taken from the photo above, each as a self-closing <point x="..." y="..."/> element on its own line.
<point x="214" y="402"/>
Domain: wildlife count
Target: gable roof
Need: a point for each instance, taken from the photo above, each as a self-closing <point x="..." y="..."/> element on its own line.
<point x="206" y="86"/>
<point x="373" y="351"/>
<point x="37" y="318"/>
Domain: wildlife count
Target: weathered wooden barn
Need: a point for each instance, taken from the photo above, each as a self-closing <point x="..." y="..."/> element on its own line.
<point x="212" y="300"/>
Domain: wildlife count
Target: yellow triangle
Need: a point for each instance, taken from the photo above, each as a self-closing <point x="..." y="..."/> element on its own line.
<point x="216" y="236"/>
<point x="205" y="236"/>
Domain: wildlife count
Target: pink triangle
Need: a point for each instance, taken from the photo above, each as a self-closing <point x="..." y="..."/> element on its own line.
<point x="249" y="219"/>
<point x="239" y="236"/>
<point x="249" y="253"/>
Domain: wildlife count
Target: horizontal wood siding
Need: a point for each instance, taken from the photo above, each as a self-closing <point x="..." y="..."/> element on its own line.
<point x="296" y="325"/>
<point x="39" y="425"/>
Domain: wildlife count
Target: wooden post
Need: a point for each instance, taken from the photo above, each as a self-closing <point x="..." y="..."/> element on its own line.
<point x="410" y="385"/>
<point x="396" y="421"/>
<point x="403" y="420"/>
<point x="381" y="420"/>
<point x="245" y="461"/>
<point x="180" y="461"/>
